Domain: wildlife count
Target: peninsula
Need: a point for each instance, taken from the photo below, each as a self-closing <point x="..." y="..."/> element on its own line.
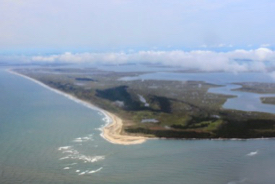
<point x="155" y="108"/>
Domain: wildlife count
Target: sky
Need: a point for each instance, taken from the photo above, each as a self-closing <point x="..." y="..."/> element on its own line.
<point x="108" y="25"/>
<point x="147" y="29"/>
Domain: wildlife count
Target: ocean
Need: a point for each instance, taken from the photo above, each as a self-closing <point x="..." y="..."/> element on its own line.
<point x="47" y="138"/>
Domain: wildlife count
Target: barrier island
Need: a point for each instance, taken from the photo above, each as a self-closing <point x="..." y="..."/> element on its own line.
<point x="157" y="108"/>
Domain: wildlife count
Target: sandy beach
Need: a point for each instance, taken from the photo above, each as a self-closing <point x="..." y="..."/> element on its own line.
<point x="111" y="131"/>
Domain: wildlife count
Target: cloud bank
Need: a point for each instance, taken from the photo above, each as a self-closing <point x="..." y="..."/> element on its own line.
<point x="233" y="61"/>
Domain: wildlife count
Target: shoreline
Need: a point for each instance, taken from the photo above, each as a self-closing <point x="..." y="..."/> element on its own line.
<point x="111" y="131"/>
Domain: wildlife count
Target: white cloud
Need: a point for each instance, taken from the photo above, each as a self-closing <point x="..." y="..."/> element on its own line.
<point x="234" y="61"/>
<point x="84" y="57"/>
<point x="259" y="54"/>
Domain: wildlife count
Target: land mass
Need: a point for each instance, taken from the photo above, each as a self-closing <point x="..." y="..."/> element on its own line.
<point x="156" y="108"/>
<point x="268" y="100"/>
<point x="256" y="87"/>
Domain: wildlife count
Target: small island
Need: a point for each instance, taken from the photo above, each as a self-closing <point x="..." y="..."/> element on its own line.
<point x="143" y="109"/>
<point x="256" y="87"/>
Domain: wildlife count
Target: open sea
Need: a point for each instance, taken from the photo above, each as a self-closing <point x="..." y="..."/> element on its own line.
<point x="46" y="138"/>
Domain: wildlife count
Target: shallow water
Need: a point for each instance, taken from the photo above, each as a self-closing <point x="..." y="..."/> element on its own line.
<point x="244" y="101"/>
<point x="47" y="138"/>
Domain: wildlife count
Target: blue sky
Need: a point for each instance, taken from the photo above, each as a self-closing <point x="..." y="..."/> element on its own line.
<point x="208" y="35"/>
<point x="126" y="25"/>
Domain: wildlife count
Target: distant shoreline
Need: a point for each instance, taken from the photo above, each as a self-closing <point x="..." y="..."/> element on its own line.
<point x="114" y="131"/>
<point x="113" y="128"/>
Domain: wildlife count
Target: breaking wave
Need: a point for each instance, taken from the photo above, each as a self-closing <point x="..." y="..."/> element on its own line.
<point x="84" y="139"/>
<point x="76" y="155"/>
<point x="71" y="153"/>
<point x="89" y="171"/>
<point x="253" y="153"/>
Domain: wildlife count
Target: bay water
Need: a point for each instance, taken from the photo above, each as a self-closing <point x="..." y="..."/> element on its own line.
<point x="47" y="138"/>
<point x="244" y="101"/>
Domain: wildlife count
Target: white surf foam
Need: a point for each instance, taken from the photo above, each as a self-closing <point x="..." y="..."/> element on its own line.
<point x="84" y="139"/>
<point x="70" y="151"/>
<point x="95" y="171"/>
<point x="75" y="155"/>
<point x="77" y="140"/>
<point x="253" y="153"/>
<point x="66" y="168"/>
<point x="90" y="172"/>
<point x="64" y="148"/>
<point x="82" y="173"/>
<point x="63" y="158"/>
<point x="89" y="158"/>
<point x="108" y="120"/>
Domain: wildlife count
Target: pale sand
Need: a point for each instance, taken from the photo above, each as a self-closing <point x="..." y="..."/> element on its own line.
<point x="111" y="131"/>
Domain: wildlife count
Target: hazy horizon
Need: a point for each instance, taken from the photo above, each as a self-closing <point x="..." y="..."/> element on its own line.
<point x="207" y="35"/>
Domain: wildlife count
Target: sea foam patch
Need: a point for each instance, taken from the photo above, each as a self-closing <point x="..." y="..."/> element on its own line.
<point x="72" y="154"/>
<point x="253" y="153"/>
<point x="107" y="121"/>
<point x="63" y="158"/>
<point x="95" y="171"/>
<point x="106" y="118"/>
<point x="82" y="173"/>
<point x="88" y="171"/>
<point x="64" y="148"/>
<point x="84" y="139"/>
<point x="75" y="155"/>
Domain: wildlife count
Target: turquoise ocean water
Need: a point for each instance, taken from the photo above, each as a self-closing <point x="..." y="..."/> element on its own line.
<point x="48" y="138"/>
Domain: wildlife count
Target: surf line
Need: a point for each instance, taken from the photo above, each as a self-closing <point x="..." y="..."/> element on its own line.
<point x="111" y="131"/>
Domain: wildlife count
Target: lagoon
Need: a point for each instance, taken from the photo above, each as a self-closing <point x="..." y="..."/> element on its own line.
<point x="243" y="101"/>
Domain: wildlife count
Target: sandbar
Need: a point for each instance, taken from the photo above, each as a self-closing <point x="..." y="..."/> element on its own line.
<point x="113" y="132"/>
